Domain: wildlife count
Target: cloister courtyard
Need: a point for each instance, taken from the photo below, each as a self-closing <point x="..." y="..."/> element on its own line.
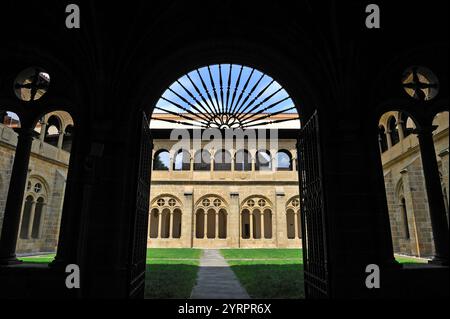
<point x="263" y="273"/>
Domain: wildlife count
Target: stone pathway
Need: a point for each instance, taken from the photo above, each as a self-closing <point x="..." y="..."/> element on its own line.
<point x="216" y="280"/>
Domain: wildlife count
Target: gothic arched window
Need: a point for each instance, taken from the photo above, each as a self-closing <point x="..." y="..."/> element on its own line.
<point x="202" y="161"/>
<point x="283" y="161"/>
<point x="222" y="161"/>
<point x="161" y="161"/>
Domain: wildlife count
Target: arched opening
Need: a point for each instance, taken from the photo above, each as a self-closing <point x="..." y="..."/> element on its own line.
<point x="9" y="119"/>
<point x="154" y="223"/>
<point x="176" y="223"/>
<point x="26" y="218"/>
<point x="200" y="224"/>
<point x="263" y="161"/>
<point x="52" y="130"/>
<point x="256" y="224"/>
<point x="213" y="218"/>
<point x="165" y="226"/>
<point x="245" y="227"/>
<point x="211" y="224"/>
<point x="182" y="161"/>
<point x="161" y="161"/>
<point x="283" y="160"/>
<point x="222" y="161"/>
<point x="267" y="224"/>
<point x="222" y="224"/>
<point x="243" y="161"/>
<point x="290" y="223"/>
<point x="202" y="161"/>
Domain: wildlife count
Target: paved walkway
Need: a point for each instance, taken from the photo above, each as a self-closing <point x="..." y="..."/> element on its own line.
<point x="216" y="280"/>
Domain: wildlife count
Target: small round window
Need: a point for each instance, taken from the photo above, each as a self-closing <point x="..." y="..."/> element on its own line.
<point x="31" y="84"/>
<point x="172" y="202"/>
<point x="37" y="187"/>
<point x="206" y="202"/>
<point x="262" y="202"/>
<point x="161" y="202"/>
<point x="420" y="83"/>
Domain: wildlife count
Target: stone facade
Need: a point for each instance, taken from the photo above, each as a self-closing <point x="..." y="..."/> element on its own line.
<point x="44" y="195"/>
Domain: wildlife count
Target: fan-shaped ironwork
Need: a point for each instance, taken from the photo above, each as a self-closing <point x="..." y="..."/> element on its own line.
<point x="225" y="96"/>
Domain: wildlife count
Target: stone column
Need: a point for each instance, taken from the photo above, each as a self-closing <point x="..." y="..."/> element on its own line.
<point x="211" y="163"/>
<point x="42" y="133"/>
<point x="205" y="224"/>
<point x="401" y="133"/>
<point x="31" y="220"/>
<point x="388" y="139"/>
<point x="171" y="225"/>
<point x="296" y="233"/>
<point x="434" y="192"/>
<point x="170" y="163"/>
<point x="159" y="225"/>
<point x="149" y="223"/>
<point x="14" y="202"/>
<point x="216" y="234"/>
<point x="263" y="225"/>
<point x="60" y="140"/>
<point x="251" y="224"/>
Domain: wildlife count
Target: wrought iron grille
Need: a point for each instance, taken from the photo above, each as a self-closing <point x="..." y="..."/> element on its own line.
<point x="313" y="212"/>
<point x="140" y="222"/>
<point x="225" y="96"/>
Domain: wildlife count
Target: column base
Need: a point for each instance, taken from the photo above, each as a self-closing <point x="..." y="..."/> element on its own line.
<point x="57" y="264"/>
<point x="439" y="261"/>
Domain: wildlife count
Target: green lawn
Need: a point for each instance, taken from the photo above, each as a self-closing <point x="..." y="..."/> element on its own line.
<point x="280" y="275"/>
<point x="38" y="259"/>
<point x="262" y="253"/>
<point x="171" y="272"/>
<point x="170" y="279"/>
<point x="407" y="260"/>
<point x="173" y="253"/>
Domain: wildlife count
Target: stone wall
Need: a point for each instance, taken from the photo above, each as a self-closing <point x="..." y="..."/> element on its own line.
<point x="404" y="178"/>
